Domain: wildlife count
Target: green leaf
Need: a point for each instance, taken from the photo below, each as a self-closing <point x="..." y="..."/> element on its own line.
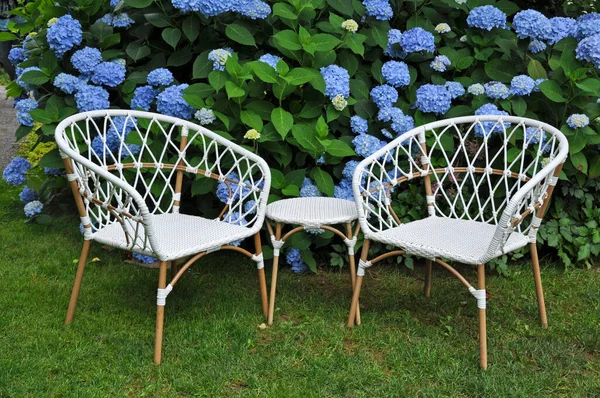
<point x="288" y="39"/>
<point x="295" y="177"/>
<point x="323" y="180"/>
<point x="239" y="33"/>
<point x="590" y="85"/>
<point x="291" y="190"/>
<point x="282" y="120"/>
<point x="171" y="36"/>
<point x="202" y="90"/>
<point x="180" y="57"/>
<point x="249" y="118"/>
<point x="338" y="148"/>
<point x="190" y="28"/>
<point x="355" y="43"/>
<point x="309" y="259"/>
<point x="359" y="89"/>
<point x="137" y="51"/>
<point x="34" y="77"/>
<point x="101" y="31"/>
<point x="40" y="115"/>
<point x="202" y="66"/>
<point x="138" y="3"/>
<point x="217" y="79"/>
<point x="233" y="91"/>
<point x="536" y="70"/>
<point x="464" y="62"/>
<point x="265" y="72"/>
<point x="284" y="10"/>
<point x="261" y="108"/>
<point x="298" y="76"/>
<point x="580" y="162"/>
<point x="343" y="6"/>
<point x="500" y="70"/>
<point x="324" y="41"/>
<point x="322" y="128"/>
<point x="552" y="91"/>
<point x="54" y="106"/>
<point x="378" y="35"/>
<point x="508" y="7"/>
<point x="282" y="68"/>
<point x="594" y="169"/>
<point x="7" y="36"/>
<point x="311" y="110"/>
<point x="305" y="135"/>
<point x="158" y="19"/>
<point x="111" y="40"/>
<point x="519" y="106"/>
<point x="577" y="141"/>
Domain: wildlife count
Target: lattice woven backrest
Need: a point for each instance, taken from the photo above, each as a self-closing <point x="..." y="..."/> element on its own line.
<point x="478" y="167"/>
<point x="127" y="163"/>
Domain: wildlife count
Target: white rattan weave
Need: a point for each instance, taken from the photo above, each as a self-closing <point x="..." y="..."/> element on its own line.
<point x="312" y="212"/>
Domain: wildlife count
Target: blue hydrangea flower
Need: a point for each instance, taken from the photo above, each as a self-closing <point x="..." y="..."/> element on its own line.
<point x="53" y="171"/>
<point x="386" y="133"/>
<point x="160" y="77"/>
<point x="337" y="81"/>
<point x="379" y="9"/>
<point x="122" y="20"/>
<point x="27" y="195"/>
<point x="588" y="49"/>
<point x="33" y="208"/>
<point x="587" y="25"/>
<point x="23" y="108"/>
<point x="91" y="98"/>
<point x="440" y="63"/>
<point x="496" y="90"/>
<point x="16" y="55"/>
<point x="488" y="128"/>
<point x="109" y="74"/>
<point x="122" y="125"/>
<point x="476" y="89"/>
<point x="294" y="258"/>
<point x="66" y="83"/>
<point x="417" y="40"/>
<point x="219" y="57"/>
<point x="205" y="116"/>
<point x="132" y="150"/>
<point x="253" y="9"/>
<point x="536" y="89"/>
<point x="359" y="125"/>
<point x="578" y="121"/>
<point x="20" y="73"/>
<point x="533" y="135"/>
<point x="344" y="190"/>
<point x="522" y="85"/>
<point x="86" y="59"/>
<point x="389" y="113"/>
<point x="384" y="96"/>
<point x="223" y="189"/>
<point x="402" y="124"/>
<point x="433" y="98"/>
<point x="14" y="173"/>
<point x="235" y="218"/>
<point x="393" y="49"/>
<point x="560" y="28"/>
<point x="365" y="145"/>
<point x="486" y="17"/>
<point x="143" y="97"/>
<point x="170" y="102"/>
<point x="114" y="3"/>
<point x="25" y="119"/>
<point x="349" y="169"/>
<point x="396" y="73"/>
<point x="536" y="46"/>
<point x="321" y="160"/>
<point x="64" y="35"/>
<point x="270" y="60"/>
<point x="309" y="189"/>
<point x="455" y="89"/>
<point x="109" y="142"/>
<point x="531" y="23"/>
<point x="143" y="258"/>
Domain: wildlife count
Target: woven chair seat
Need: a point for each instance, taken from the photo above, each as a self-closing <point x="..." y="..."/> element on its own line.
<point x="465" y="241"/>
<point x="313" y="211"/>
<point x="180" y="234"/>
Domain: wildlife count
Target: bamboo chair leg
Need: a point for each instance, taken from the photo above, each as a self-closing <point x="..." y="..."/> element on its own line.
<point x="428" y="271"/>
<point x="538" y="285"/>
<point x="273" y="289"/>
<point x="78" y="278"/>
<point x="262" y="281"/>
<point x="352" y="261"/>
<point x="482" y="320"/>
<point x="160" y="314"/>
<point x="354" y="307"/>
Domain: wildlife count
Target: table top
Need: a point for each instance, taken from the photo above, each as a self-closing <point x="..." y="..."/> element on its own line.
<point x="313" y="211"/>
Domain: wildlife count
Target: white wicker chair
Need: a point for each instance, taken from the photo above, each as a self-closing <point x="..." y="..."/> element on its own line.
<point x="482" y="176"/>
<point x="127" y="186"/>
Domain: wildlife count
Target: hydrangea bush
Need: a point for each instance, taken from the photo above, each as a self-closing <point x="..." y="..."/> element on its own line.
<point x="312" y="85"/>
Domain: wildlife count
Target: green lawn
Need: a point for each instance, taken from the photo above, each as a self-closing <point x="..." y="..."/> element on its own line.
<point x="408" y="345"/>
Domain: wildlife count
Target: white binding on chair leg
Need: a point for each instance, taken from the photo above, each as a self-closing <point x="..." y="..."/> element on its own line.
<point x="260" y="263"/>
<point x="480" y="295"/>
<point x="277" y="245"/>
<point x="351" y="243"/>
<point x="161" y="296"/>
<point x="362" y="265"/>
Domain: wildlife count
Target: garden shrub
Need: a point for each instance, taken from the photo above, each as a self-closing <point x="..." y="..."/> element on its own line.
<point x="315" y="85"/>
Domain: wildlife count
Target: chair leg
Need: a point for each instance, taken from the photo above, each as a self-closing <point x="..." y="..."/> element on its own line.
<point x="428" y="271"/>
<point x="538" y="285"/>
<point x="359" y="277"/>
<point x="160" y="314"/>
<point x="353" y="277"/>
<point x="482" y="319"/>
<point x="262" y="281"/>
<point x="273" y="290"/>
<point x="78" y="278"/>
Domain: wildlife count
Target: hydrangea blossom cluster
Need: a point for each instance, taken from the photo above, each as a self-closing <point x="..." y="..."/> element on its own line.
<point x="496" y="90"/>
<point x="170" y="102"/>
<point x="122" y="20"/>
<point x="561" y="27"/>
<point x="393" y="49"/>
<point x="522" y="85"/>
<point x="578" y="121"/>
<point x="160" y="77"/>
<point x="66" y="83"/>
<point x="344" y="190"/>
<point x="91" y="98"/>
<point x="64" y="35"/>
<point x="587" y="25"/>
<point x="433" y="98"/>
<point x="309" y="189"/>
<point x="384" y="96"/>
<point x="254" y="9"/>
<point x="396" y="73"/>
<point x="455" y="89"/>
<point x="417" y="40"/>
<point x="23" y="108"/>
<point x="219" y="57"/>
<point x="358" y="125"/>
<point x="379" y="9"/>
<point x="350" y="25"/>
<point x="536" y="46"/>
<point x="33" y="208"/>
<point x="532" y="24"/>
<point x="109" y="74"/>
<point x="21" y="72"/>
<point x="235" y="218"/>
<point x="27" y="195"/>
<point x="86" y="60"/>
<point x="486" y="17"/>
<point x="339" y="102"/>
<point x="365" y="145"/>
<point x="337" y="81"/>
<point x="442" y="28"/>
<point x="16" y="56"/>
<point x="402" y="123"/>
<point x="294" y="258"/>
<point x="488" y="128"/>
<point x="143" y="97"/>
<point x="476" y="89"/>
<point x="14" y="173"/>
<point x="588" y="49"/>
<point x="205" y="116"/>
<point x="440" y="63"/>
<point x="270" y="60"/>
<point x="53" y="171"/>
<point x="533" y="135"/>
<point x="223" y="189"/>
